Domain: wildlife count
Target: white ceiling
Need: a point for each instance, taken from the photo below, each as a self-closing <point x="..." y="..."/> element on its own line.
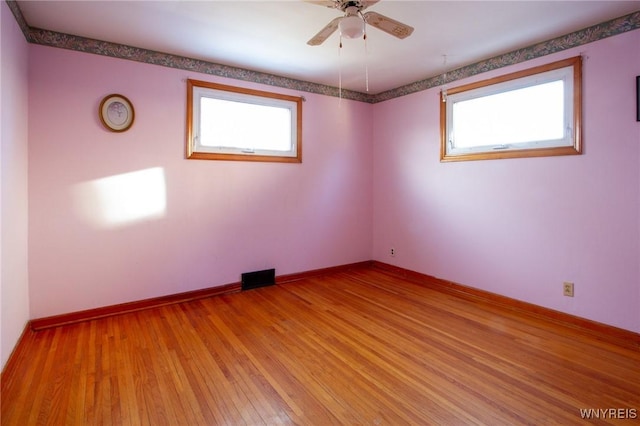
<point x="271" y="36"/>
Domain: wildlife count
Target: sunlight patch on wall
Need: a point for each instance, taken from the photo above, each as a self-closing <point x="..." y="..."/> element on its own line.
<point x="122" y="199"/>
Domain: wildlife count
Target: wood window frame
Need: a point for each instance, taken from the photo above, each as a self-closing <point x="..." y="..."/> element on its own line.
<point x="193" y="153"/>
<point x="575" y="149"/>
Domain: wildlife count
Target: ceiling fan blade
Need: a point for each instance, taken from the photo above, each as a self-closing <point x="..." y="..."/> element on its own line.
<point x="388" y="25"/>
<point x="324" y="33"/>
<point x="368" y="3"/>
<point x="326" y="3"/>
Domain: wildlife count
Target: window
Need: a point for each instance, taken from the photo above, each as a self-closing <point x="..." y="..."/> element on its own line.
<point x="531" y="113"/>
<point x="232" y="123"/>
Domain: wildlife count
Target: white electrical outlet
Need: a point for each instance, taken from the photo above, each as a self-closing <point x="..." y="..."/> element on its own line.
<point x="392" y="252"/>
<point x="567" y="289"/>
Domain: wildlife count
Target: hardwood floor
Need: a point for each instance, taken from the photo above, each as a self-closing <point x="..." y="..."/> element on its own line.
<point x="357" y="347"/>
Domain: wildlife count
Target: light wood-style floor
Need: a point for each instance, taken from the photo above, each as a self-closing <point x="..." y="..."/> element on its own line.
<point x="358" y="347"/>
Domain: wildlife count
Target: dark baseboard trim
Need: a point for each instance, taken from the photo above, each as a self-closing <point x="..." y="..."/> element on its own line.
<point x="604" y="332"/>
<point x="123" y="308"/>
<point x="601" y="331"/>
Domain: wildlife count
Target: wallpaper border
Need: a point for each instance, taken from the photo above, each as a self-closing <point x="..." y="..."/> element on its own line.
<point x="597" y="32"/>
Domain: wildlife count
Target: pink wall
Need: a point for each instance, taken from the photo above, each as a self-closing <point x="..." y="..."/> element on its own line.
<point x="14" y="306"/>
<point x="219" y="218"/>
<point x="521" y="227"/>
<point x="515" y="227"/>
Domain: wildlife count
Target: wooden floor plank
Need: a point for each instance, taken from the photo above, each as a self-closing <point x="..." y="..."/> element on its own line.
<point x="351" y="347"/>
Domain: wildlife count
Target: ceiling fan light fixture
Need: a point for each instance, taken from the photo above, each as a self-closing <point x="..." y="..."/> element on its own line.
<point x="351" y="27"/>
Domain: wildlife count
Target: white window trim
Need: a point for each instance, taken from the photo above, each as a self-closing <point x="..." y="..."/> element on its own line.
<point x="568" y="70"/>
<point x="196" y="90"/>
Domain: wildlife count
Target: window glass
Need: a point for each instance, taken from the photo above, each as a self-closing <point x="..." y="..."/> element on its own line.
<point x="223" y="123"/>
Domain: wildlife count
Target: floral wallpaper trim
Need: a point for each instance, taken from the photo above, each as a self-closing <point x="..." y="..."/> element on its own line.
<point x="597" y="32"/>
<point x="17" y="14"/>
<point x="114" y="50"/>
<point x="578" y="38"/>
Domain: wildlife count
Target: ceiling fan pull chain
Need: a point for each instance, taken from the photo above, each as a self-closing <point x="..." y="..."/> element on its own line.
<point x="366" y="59"/>
<point x="340" y="71"/>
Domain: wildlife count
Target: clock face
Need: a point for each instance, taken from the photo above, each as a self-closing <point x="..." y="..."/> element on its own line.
<point x="116" y="113"/>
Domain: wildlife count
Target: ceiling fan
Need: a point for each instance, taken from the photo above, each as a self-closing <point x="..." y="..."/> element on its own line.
<point x="352" y="24"/>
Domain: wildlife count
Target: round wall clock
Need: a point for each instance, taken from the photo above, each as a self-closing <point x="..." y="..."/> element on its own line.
<point x="116" y="113"/>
